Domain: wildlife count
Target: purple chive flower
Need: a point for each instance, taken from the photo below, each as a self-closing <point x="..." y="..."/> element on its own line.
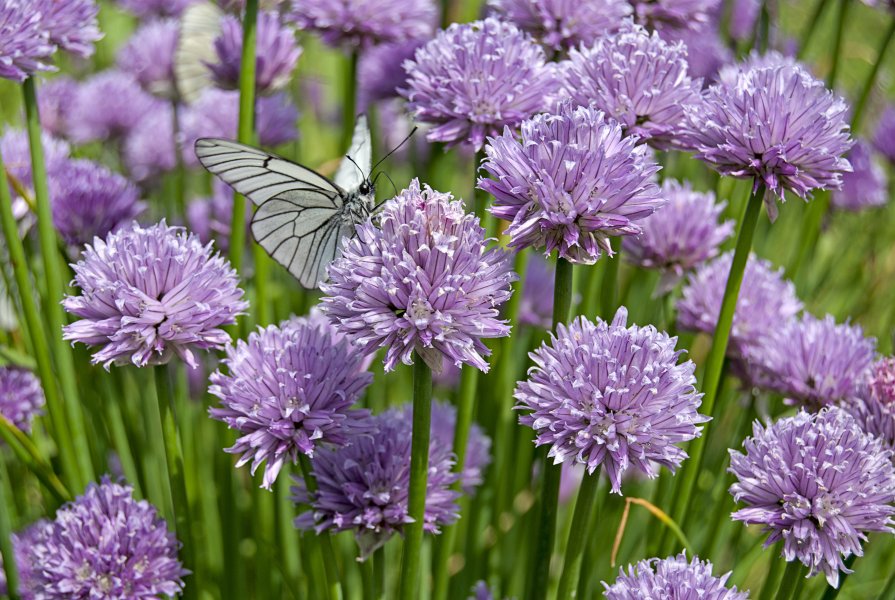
<point x="108" y="106"/>
<point x="277" y="54"/>
<point x="151" y="293"/>
<point x="381" y="71"/>
<point x="672" y="577"/>
<point x="149" y="56"/>
<point x="16" y="153"/>
<point x="422" y="281"/>
<point x="364" y="23"/>
<point x="149" y="147"/>
<point x="778" y="126"/>
<point x="536" y="304"/>
<point x="287" y="390"/>
<point x="814" y="361"/>
<point x="364" y="486"/>
<point x="674" y="15"/>
<point x="867" y="185"/>
<point x="54" y="105"/>
<point x="480" y="591"/>
<point x="105" y="544"/>
<point x="155" y="8"/>
<point x="884" y="138"/>
<point x="564" y="24"/>
<point x="681" y="235"/>
<point x="874" y="406"/>
<point x="766" y="302"/>
<point x="72" y="24"/>
<point x="638" y="79"/>
<point x="210" y="218"/>
<point x="570" y="183"/>
<point x="89" y="200"/>
<point x="478" y="446"/>
<point x="474" y="79"/>
<point x="613" y="396"/>
<point x="706" y="52"/>
<point x="21" y="397"/>
<point x="816" y="482"/>
<point x="731" y="72"/>
<point x="25" y="46"/>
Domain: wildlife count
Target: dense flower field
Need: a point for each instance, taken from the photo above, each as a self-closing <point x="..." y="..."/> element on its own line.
<point x="566" y="299"/>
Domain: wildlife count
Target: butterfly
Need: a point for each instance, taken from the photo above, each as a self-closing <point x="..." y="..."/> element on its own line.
<point x="200" y="25"/>
<point x="302" y="216"/>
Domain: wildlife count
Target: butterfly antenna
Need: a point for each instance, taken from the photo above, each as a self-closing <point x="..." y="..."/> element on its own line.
<point x="361" y="171"/>
<point x="395" y="149"/>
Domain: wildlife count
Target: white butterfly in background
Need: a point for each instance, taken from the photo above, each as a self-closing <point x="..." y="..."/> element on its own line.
<point x="302" y="215"/>
<point x="200" y="25"/>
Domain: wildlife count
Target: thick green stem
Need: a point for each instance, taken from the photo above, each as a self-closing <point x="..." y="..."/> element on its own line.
<point x="419" y="467"/>
<point x="246" y="127"/>
<point x="28" y="453"/>
<point x="841" y="22"/>
<point x="7" y="510"/>
<point x="334" y="582"/>
<point x="578" y="535"/>
<point x="789" y="585"/>
<point x="811" y="27"/>
<point x="861" y="104"/>
<point x="49" y="246"/>
<point x="349" y="101"/>
<point x="711" y="378"/>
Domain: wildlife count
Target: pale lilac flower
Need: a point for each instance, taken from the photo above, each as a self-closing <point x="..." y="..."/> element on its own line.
<point x="572" y="182"/>
<point x="16" y="153"/>
<point x="276" y="54"/>
<point x="681" y="235"/>
<point x="151" y="293"/>
<point x="362" y="23"/>
<point x="88" y="200"/>
<point x="818" y="483"/>
<point x="288" y="391"/>
<point x="779" y="126"/>
<point x="884" y="138"/>
<point x="105" y="545"/>
<point x="638" y="79"/>
<point x="672" y="577"/>
<point x="867" y="185"/>
<point x="731" y="72"/>
<point x="536" y="304"/>
<point x="21" y="397"/>
<point x="706" y="52"/>
<point x="364" y="486"/>
<point x="210" y="218"/>
<point x="54" y="104"/>
<point x="381" y="73"/>
<point x="149" y="56"/>
<point x="423" y="281"/>
<point x="474" y="79"/>
<point x="674" y="15"/>
<point x="611" y="396"/>
<point x="149" y="148"/>
<point x="564" y="24"/>
<point x="478" y="446"/>
<point x="743" y="17"/>
<point x="108" y="106"/>
<point x="874" y="406"/>
<point x="155" y="8"/>
<point x="480" y="591"/>
<point x="72" y="24"/>
<point x="25" y="46"/>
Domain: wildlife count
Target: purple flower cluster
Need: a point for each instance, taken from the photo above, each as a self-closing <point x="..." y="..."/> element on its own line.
<point x="72" y="24"/>
<point x="148" y="294"/>
<point x="638" y="79"/>
<point x="210" y="218"/>
<point x="364" y="23"/>
<point x="818" y="483"/>
<point x="572" y="181"/>
<point x="364" y="486"/>
<point x="564" y="24"/>
<point x="149" y="148"/>
<point x="476" y="78"/>
<point x="867" y="185"/>
<point x="149" y="56"/>
<point x="54" y="105"/>
<point x="669" y="16"/>
<point x="381" y="71"/>
<point x="287" y="390"/>
<point x="478" y="446"/>
<point x="672" y="577"/>
<point x="25" y="46"/>
<point x="155" y="8"/>
<point x="108" y="106"/>
<point x="884" y="138"/>
<point x="613" y="396"/>
<point x="16" y="153"/>
<point x="105" y="544"/>
<point x="874" y="407"/>
<point x="21" y="397"/>
<point x="423" y="281"/>
<point x="779" y="126"/>
<point x="536" y="304"/>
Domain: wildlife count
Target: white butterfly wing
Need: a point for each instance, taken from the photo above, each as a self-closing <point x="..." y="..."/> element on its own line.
<point x="200" y="24"/>
<point x="350" y="175"/>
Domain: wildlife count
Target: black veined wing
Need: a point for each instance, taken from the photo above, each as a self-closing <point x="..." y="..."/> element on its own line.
<point x="199" y="26"/>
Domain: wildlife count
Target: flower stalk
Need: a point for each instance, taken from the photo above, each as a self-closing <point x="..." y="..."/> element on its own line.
<point x="586" y="504"/>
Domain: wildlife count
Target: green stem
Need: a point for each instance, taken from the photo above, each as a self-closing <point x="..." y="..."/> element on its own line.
<point x="331" y="568"/>
<point x="49" y="245"/>
<point x="419" y="466"/>
<point x="888" y="592"/>
<point x="349" y="102"/>
<point x="841" y="20"/>
<point x="711" y="378"/>
<point x="861" y="104"/>
<point x="245" y="129"/>
<point x="771" y="584"/>
<point x="578" y="534"/>
<point x="811" y="27"/>
<point x="379" y="572"/>
<point x="790" y="582"/>
<point x="7" y="510"/>
<point x="120" y="439"/>
<point x="809" y="232"/>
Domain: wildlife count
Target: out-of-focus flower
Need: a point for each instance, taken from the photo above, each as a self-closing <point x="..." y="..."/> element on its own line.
<point x="21" y="397"/>
<point x="89" y="200"/>
<point x="210" y="218"/>
<point x="681" y="235"/>
<point x="814" y="361"/>
<point x="564" y="24"/>
<point x="155" y="8"/>
<point x="364" y="486"/>
<point x="108" y="106"/>
<point x="72" y="24"/>
<point x="867" y="185"/>
<point x="25" y="46"/>
<point x="571" y="182"/>
<point x="818" y="483"/>
<point x="276" y="54"/>
<point x="151" y="293"/>
<point x="54" y="104"/>
<point x="237" y="6"/>
<point x="480" y="591"/>
<point x="105" y="544"/>
<point x="363" y="23"/>
<point x="672" y="577"/>
<point x="673" y="15"/>
<point x="638" y="79"/>
<point x="149" y="147"/>
<point x="706" y="51"/>
<point x="381" y="71"/>
<point x="884" y="138"/>
<point x="16" y="153"/>
<point x="478" y="446"/>
<point x="536" y="304"/>
<point x="766" y="302"/>
<point x="149" y="56"/>
<point x="422" y="281"/>
<point x="612" y="396"/>
<point x="779" y="126"/>
<point x="474" y="79"/>
<point x="874" y="406"/>
<point x="756" y="60"/>
<point x="288" y="390"/>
